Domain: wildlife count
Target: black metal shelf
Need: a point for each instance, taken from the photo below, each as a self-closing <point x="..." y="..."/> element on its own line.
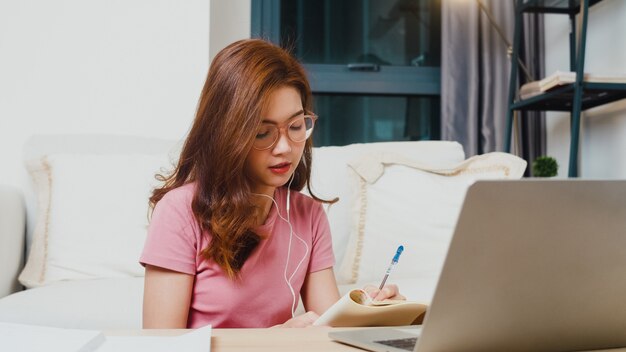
<point x="575" y="97"/>
<point x="569" y="7"/>
<point x="562" y="98"/>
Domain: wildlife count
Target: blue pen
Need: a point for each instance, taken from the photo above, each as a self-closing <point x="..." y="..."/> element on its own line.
<point x="394" y="261"/>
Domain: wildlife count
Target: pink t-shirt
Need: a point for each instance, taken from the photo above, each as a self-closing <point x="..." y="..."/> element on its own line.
<point x="261" y="298"/>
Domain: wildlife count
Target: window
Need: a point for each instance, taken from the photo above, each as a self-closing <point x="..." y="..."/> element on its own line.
<point x="373" y="64"/>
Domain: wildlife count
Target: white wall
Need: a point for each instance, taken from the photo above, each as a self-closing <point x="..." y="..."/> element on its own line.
<point x="105" y="66"/>
<point x="603" y="129"/>
<point x="230" y="21"/>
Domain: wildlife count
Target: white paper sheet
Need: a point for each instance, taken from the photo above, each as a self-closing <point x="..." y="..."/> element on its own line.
<point x="34" y="338"/>
<point x="198" y="340"/>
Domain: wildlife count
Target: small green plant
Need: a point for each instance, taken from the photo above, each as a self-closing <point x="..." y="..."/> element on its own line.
<point x="545" y="166"/>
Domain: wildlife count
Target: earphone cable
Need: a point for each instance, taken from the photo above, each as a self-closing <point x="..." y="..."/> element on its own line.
<point x="291" y="234"/>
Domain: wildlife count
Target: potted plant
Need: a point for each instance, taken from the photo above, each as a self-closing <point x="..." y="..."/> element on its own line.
<point x="545" y="166"/>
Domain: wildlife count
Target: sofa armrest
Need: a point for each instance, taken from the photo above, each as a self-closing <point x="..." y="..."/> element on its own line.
<point x="12" y="238"/>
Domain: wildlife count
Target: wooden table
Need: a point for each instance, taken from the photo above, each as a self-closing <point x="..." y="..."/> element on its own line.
<point x="301" y="340"/>
<point x="275" y="340"/>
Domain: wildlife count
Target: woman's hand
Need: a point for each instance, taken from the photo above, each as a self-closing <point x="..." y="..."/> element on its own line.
<point x="301" y="321"/>
<point x="388" y="292"/>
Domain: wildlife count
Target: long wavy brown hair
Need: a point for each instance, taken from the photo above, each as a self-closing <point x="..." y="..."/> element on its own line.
<point x="240" y="81"/>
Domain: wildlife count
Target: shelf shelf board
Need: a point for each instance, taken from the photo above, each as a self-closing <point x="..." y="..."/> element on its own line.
<point x="554" y="6"/>
<point x="562" y="98"/>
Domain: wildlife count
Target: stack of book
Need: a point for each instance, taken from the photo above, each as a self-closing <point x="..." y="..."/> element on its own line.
<point x="560" y="78"/>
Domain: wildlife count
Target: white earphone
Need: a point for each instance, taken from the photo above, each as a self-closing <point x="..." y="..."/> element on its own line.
<point x="291" y="234"/>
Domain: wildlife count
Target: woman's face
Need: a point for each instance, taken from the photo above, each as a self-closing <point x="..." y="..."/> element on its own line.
<point x="271" y="168"/>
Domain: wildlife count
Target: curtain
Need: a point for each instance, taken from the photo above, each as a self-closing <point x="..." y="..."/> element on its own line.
<point x="475" y="70"/>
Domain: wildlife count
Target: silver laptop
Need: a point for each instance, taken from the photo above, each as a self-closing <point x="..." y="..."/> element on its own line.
<point x="534" y="265"/>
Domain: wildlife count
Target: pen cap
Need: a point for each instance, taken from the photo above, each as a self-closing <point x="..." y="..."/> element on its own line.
<point x="398" y="252"/>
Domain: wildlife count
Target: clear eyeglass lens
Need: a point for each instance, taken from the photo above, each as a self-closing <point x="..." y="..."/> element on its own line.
<point x="266" y="136"/>
<point x="298" y="131"/>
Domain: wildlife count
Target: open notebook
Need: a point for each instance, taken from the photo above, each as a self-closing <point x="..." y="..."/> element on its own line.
<point x="357" y="308"/>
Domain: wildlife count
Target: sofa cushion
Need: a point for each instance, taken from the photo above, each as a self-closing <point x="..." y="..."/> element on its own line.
<point x="406" y="202"/>
<point x="331" y="177"/>
<point x="92" y="212"/>
<point x="85" y="304"/>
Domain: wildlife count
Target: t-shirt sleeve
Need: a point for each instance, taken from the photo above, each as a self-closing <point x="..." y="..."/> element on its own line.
<point x="322" y="256"/>
<point x="172" y="241"/>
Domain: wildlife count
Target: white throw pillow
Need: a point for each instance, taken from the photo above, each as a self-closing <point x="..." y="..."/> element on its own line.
<point x="331" y="177"/>
<point x="92" y="214"/>
<point x="404" y="202"/>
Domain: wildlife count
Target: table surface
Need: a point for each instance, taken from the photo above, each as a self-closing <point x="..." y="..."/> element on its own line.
<point x="273" y="339"/>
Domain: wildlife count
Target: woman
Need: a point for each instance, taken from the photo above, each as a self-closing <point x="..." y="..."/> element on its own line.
<point x="232" y="242"/>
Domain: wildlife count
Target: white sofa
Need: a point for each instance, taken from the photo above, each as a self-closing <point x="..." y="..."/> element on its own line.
<point x="87" y="215"/>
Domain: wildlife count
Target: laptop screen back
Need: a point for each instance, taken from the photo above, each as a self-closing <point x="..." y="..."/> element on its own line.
<point x="533" y="265"/>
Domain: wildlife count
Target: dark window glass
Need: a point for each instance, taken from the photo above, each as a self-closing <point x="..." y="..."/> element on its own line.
<point x="346" y="119"/>
<point x="373" y="64"/>
<point x="401" y="33"/>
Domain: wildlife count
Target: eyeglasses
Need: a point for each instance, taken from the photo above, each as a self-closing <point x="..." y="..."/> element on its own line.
<point x="298" y="130"/>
